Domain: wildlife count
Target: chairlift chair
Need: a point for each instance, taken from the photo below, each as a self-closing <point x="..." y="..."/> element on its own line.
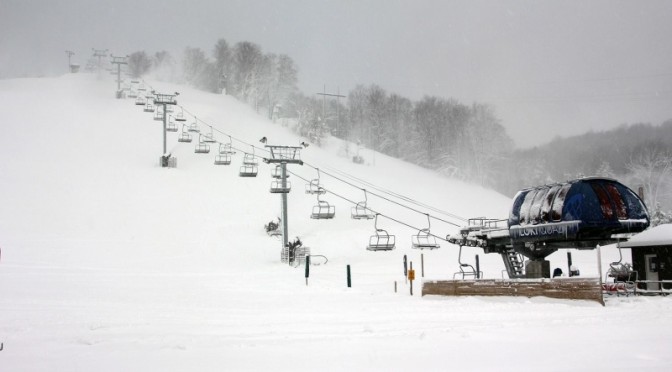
<point x="277" y="188"/>
<point x="314" y="186"/>
<point x="382" y="240"/>
<point x="276" y="172"/>
<point x="149" y="107"/>
<point x="223" y="159"/>
<point x="323" y="211"/>
<point x="209" y="137"/>
<point x="250" y="159"/>
<point x="158" y="115"/>
<point x="171" y="126"/>
<point x="360" y="211"/>
<point x="180" y="115"/>
<point x="465" y="268"/>
<point x="201" y="147"/>
<point x="424" y="239"/>
<point x="132" y="93"/>
<point x="140" y="101"/>
<point x="193" y="127"/>
<point x="184" y="136"/>
<point x="248" y="170"/>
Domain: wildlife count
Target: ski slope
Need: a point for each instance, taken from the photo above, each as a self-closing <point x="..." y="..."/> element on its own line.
<point x="111" y="263"/>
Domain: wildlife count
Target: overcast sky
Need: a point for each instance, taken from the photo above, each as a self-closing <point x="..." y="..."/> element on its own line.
<point x="550" y="68"/>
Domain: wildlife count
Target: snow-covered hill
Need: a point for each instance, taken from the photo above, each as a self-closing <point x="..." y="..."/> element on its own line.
<point x="111" y="263"/>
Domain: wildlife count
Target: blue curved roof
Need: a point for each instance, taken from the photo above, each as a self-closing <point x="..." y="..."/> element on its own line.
<point x="581" y="209"/>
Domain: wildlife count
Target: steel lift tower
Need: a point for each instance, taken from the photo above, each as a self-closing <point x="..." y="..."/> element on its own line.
<point x="284" y="155"/>
<point x="164" y="100"/>
<point x="119" y="61"/>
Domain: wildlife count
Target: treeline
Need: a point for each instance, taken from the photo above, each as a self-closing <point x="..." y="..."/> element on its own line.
<point x="264" y="80"/>
<point x="458" y="140"/>
<point x="463" y="141"/>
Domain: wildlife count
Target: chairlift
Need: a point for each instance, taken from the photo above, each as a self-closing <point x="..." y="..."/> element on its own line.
<point x="360" y="211"/>
<point x="180" y="115"/>
<point x="278" y="188"/>
<point x="193" y="127"/>
<point x="209" y="137"/>
<point x="201" y="147"/>
<point x="323" y="211"/>
<point x="171" y="126"/>
<point x="184" y="136"/>
<point x="424" y="239"/>
<point x="465" y="268"/>
<point x="248" y="170"/>
<point x="314" y="186"/>
<point x="140" y="101"/>
<point x="158" y="115"/>
<point x="226" y="148"/>
<point x="250" y="158"/>
<point x="381" y="241"/>
<point x="276" y="172"/>
<point x="149" y="107"/>
<point x="223" y="159"/>
<point x="623" y="276"/>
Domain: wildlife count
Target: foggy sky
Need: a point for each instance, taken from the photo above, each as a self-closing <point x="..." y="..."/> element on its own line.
<point x="548" y="67"/>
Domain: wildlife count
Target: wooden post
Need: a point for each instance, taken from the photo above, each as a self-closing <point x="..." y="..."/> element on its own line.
<point x="569" y="263"/>
<point x="405" y="269"/>
<point x="395" y="286"/>
<point x="478" y="268"/>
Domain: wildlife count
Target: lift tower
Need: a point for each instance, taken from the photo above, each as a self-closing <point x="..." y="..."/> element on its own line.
<point x="100" y="53"/>
<point x="164" y="100"/>
<point x="119" y="61"/>
<point x="284" y="155"/>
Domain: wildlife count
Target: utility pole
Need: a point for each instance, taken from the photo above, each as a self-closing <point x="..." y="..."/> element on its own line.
<point x="338" y="96"/>
<point x="284" y="155"/>
<point x="119" y="61"/>
<point x="164" y="100"/>
<point x="100" y="53"/>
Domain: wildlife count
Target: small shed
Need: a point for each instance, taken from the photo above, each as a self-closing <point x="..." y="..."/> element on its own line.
<point x="652" y="256"/>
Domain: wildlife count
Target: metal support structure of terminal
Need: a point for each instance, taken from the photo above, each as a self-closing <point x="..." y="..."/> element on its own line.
<point x="164" y="100"/>
<point x="284" y="155"/>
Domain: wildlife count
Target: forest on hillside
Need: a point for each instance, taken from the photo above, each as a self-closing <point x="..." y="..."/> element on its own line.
<point x="458" y="140"/>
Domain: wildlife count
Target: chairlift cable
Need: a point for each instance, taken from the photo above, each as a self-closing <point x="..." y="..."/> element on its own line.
<point x="374" y="211"/>
<point x="383" y="197"/>
<point x="329" y="174"/>
<point x="400" y="196"/>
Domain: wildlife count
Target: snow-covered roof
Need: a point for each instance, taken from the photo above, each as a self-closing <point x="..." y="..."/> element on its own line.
<point x="659" y="235"/>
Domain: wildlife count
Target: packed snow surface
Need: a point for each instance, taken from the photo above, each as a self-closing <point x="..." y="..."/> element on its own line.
<point x="112" y="263"/>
